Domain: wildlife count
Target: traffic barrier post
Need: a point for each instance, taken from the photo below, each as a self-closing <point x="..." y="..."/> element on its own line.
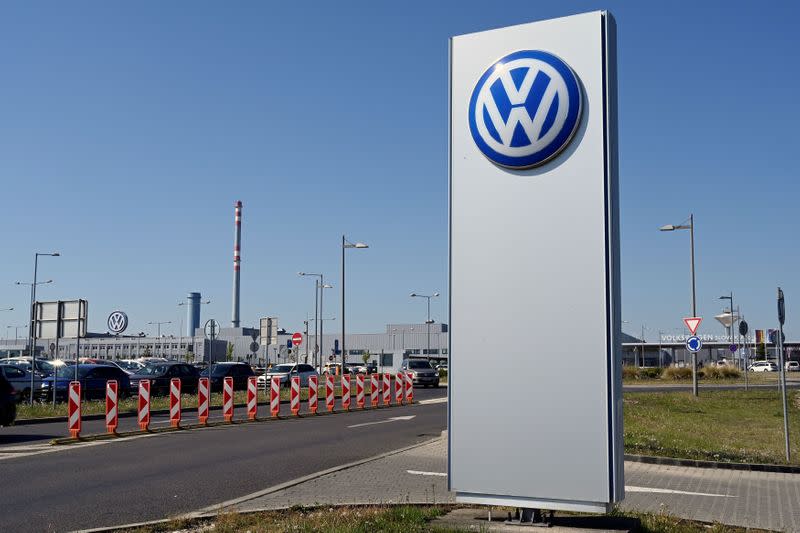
<point x="312" y="394"/>
<point x="346" y="392"/>
<point x="294" y="396"/>
<point x="399" y="381"/>
<point x="74" y="409"/>
<point x="202" y="401"/>
<point x="227" y="399"/>
<point x="112" y="399"/>
<point x="144" y="404"/>
<point x="175" y="402"/>
<point x="275" y="396"/>
<point x="387" y="388"/>
<point x="373" y="390"/>
<point x="330" y="394"/>
<point x="252" y="397"/>
<point x="360" y="390"/>
<point x="409" y="387"/>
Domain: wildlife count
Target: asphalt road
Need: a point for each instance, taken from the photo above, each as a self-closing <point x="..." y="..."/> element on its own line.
<point x="167" y="474"/>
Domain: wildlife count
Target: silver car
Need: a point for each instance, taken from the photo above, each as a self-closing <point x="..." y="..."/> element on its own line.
<point x="422" y="372"/>
<point x="286" y="371"/>
<point x="20" y="379"/>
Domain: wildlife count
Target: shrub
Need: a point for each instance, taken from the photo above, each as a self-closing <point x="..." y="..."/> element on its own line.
<point x="632" y="372"/>
<point x="629" y="372"/>
<point x="675" y="372"/>
<point x="720" y="372"/>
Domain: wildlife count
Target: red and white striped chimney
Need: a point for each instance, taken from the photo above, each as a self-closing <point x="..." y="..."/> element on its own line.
<point x="237" y="259"/>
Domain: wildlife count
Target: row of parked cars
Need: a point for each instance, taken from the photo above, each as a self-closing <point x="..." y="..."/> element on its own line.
<point x="51" y="378"/>
<point x="770" y="366"/>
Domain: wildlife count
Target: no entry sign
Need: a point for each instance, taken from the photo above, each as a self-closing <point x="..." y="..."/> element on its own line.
<point x="297" y="339"/>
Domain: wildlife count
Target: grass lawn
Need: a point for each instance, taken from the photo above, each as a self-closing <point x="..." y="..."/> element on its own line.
<point x="735" y="426"/>
<point x="397" y="519"/>
<point x="753" y="378"/>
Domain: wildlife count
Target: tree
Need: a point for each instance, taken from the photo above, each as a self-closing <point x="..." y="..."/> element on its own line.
<point x="229" y="352"/>
<point x="365" y="356"/>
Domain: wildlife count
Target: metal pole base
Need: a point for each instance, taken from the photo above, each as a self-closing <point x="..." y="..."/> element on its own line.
<point x="529" y="517"/>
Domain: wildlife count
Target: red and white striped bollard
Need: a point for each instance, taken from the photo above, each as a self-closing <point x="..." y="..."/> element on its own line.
<point x="144" y="404"/>
<point x="112" y="411"/>
<point x="252" y="397"/>
<point x="175" y="402"/>
<point x="346" y="392"/>
<point x="227" y="399"/>
<point x="294" y="397"/>
<point x="330" y="393"/>
<point x="74" y="408"/>
<point x="313" y="392"/>
<point x="399" y="381"/>
<point x="202" y="400"/>
<point x="373" y="390"/>
<point x="387" y="388"/>
<point x="360" y="390"/>
<point x="409" y="387"/>
<point x="275" y="396"/>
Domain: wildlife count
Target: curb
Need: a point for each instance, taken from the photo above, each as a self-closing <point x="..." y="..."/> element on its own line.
<point x="697" y="463"/>
<point x="214" y="510"/>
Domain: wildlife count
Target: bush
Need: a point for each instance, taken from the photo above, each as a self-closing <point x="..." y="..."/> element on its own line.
<point x="720" y="372"/>
<point x="675" y="372"/>
<point x="629" y="372"/>
<point x="442" y="373"/>
<point x="632" y="372"/>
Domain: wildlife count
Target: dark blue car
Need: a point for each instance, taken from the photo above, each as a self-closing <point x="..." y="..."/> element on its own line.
<point x="93" y="380"/>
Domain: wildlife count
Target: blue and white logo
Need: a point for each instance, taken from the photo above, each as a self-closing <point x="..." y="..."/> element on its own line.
<point x="525" y="109"/>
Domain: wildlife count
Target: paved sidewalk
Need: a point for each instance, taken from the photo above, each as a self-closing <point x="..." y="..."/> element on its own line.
<point x="749" y="499"/>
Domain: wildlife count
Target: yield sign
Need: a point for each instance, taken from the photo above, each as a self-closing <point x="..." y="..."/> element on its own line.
<point x="692" y="323"/>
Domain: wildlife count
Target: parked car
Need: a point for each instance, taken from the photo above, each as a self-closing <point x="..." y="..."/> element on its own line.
<point x="442" y="366"/>
<point x="287" y="371"/>
<point x="8" y="402"/>
<point x="161" y="374"/>
<point x="792" y="366"/>
<point x="20" y="379"/>
<point x="763" y="366"/>
<point x="93" y="380"/>
<point x="421" y="371"/>
<point x="131" y="366"/>
<point x="45" y="367"/>
<point x="238" y="371"/>
<point x="336" y="369"/>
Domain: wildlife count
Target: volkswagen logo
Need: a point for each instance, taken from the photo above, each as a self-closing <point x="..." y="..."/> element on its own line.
<point x="525" y="109"/>
<point x="117" y="322"/>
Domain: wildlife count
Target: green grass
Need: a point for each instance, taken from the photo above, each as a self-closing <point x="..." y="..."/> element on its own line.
<point x="754" y="378"/>
<point x="391" y="519"/>
<point x="734" y="426"/>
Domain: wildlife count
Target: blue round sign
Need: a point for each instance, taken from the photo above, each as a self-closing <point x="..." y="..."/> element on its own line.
<point x="693" y="343"/>
<point x="525" y="109"/>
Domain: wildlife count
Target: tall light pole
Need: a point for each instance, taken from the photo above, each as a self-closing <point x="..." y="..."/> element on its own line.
<point x="690" y="227"/>
<point x="345" y="245"/>
<point x="428" y="321"/>
<point x="159" y="333"/>
<point x="319" y="286"/>
<point x="733" y="317"/>
<point x="32" y="322"/>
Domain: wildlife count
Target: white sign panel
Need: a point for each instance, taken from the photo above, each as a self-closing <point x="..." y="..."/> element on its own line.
<point x="534" y="250"/>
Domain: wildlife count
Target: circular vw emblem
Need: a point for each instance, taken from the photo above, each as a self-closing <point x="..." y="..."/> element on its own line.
<point x="525" y="109"/>
<point x="117" y="322"/>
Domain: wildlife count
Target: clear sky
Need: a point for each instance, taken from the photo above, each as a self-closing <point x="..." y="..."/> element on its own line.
<point x="128" y="131"/>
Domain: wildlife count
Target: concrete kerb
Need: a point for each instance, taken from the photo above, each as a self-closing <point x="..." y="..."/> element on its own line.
<point x="698" y="463"/>
<point x="216" y="509"/>
<point x="109" y="436"/>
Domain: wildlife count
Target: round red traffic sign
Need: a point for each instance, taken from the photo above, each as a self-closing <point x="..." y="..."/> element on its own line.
<point x="297" y="339"/>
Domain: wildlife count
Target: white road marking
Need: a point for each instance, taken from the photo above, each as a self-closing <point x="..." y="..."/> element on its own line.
<point x="421" y="473"/>
<point x="393" y="419"/>
<point x="433" y="400"/>
<point x="669" y="491"/>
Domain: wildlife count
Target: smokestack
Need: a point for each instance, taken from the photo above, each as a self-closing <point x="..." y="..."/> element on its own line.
<point x="237" y="242"/>
<point x="192" y="313"/>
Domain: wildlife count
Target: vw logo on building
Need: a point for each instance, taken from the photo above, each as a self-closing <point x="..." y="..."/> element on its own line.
<point x="525" y="109"/>
<point x="117" y="322"/>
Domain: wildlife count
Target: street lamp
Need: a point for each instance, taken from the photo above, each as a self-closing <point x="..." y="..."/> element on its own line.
<point x="690" y="227"/>
<point x="733" y="316"/>
<point x="428" y="321"/>
<point x="31" y="329"/>
<point x="159" y="332"/>
<point x="345" y="245"/>
<point x="318" y="286"/>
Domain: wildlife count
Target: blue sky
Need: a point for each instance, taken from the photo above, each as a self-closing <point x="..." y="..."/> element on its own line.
<point x="128" y="131"/>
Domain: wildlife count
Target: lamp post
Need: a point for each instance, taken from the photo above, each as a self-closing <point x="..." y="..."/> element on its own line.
<point x="345" y="245"/>
<point x="318" y="288"/>
<point x="733" y="317"/>
<point x="159" y="332"/>
<point x="690" y="227"/>
<point x="31" y="329"/>
<point x="428" y="321"/>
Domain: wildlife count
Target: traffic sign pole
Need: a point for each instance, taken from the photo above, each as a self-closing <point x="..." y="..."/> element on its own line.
<point x="779" y="335"/>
